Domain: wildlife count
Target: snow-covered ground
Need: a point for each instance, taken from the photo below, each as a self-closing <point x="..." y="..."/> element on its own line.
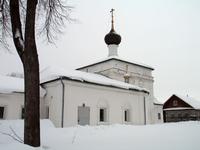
<point x="170" y="136"/>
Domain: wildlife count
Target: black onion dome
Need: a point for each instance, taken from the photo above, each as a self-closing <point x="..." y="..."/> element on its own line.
<point x="112" y="38"/>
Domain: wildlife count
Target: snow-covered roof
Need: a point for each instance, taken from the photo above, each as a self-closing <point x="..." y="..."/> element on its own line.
<point x="120" y="59"/>
<point x="189" y="100"/>
<point x="178" y="108"/>
<point x="52" y="73"/>
<point x="157" y="102"/>
<point x="10" y="84"/>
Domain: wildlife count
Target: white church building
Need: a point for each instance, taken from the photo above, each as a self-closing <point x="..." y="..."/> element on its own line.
<point x="113" y="90"/>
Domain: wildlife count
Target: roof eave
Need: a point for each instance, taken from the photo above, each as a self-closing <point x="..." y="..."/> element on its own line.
<point x="115" y="59"/>
<point x="112" y="86"/>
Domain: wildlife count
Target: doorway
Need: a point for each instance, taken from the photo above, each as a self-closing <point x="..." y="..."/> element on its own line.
<point x="83" y="115"/>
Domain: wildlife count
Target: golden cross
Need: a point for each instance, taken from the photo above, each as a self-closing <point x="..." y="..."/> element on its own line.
<point x="112" y="16"/>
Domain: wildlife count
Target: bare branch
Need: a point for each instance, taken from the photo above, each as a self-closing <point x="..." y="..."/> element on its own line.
<point x="4" y="20"/>
<point x="56" y="14"/>
<point x="16" y="26"/>
<point x="52" y="16"/>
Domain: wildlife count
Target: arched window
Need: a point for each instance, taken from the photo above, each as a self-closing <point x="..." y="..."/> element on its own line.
<point x="2" y="109"/>
<point x="103" y="113"/>
<point x="126" y="112"/>
<point x="127" y="115"/>
<point x="159" y="116"/>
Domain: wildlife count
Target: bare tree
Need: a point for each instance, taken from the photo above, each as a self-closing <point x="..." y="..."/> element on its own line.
<point x="20" y="19"/>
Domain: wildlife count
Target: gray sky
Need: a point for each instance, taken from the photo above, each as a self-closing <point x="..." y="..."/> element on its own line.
<point x="162" y="33"/>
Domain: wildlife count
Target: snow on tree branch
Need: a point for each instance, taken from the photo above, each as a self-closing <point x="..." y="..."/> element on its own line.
<point x="18" y="36"/>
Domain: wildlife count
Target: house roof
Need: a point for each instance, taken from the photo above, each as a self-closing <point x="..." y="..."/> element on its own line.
<point x="10" y="84"/>
<point x="52" y="73"/>
<point x="156" y="102"/>
<point x="119" y="59"/>
<point x="189" y="100"/>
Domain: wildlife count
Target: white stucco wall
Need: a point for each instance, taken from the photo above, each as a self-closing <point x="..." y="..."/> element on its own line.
<point x="53" y="100"/>
<point x="13" y="104"/>
<point x="116" y="69"/>
<point x="95" y="97"/>
<point x="158" y="109"/>
<point x="139" y="76"/>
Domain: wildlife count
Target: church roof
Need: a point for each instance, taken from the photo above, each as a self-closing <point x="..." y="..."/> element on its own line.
<point x="119" y="59"/>
<point x="52" y="73"/>
<point x="112" y="38"/>
<point x="189" y="100"/>
<point x="10" y="84"/>
<point x="156" y="102"/>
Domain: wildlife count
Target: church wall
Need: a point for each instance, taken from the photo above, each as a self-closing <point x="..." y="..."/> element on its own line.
<point x="98" y="68"/>
<point x="158" y="109"/>
<point x="139" y="76"/>
<point x="116" y="69"/>
<point x="53" y="102"/>
<point x="95" y="97"/>
<point x="138" y="70"/>
<point x="12" y="103"/>
<point x="138" y="81"/>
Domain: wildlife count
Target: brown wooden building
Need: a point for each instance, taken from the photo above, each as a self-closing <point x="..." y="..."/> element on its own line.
<point x="181" y="108"/>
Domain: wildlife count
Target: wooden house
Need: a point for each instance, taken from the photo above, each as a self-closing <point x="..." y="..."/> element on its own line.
<point x="181" y="108"/>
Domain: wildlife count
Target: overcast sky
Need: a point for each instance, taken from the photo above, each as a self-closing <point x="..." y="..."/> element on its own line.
<point x="164" y="34"/>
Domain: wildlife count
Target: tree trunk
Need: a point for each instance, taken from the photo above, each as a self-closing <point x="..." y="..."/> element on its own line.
<point x="31" y="78"/>
<point x="32" y="100"/>
<point x="27" y="51"/>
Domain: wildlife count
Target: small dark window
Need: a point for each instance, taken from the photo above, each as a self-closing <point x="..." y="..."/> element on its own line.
<point x="179" y="115"/>
<point x="159" y="116"/>
<point x="23" y="113"/>
<point x="175" y="103"/>
<point x="126" y="115"/>
<point x="102" y="115"/>
<point x="126" y="79"/>
<point x="47" y="112"/>
<point x="186" y="115"/>
<point x="1" y="112"/>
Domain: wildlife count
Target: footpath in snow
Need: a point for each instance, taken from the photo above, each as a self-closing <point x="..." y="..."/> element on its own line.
<point x="170" y="136"/>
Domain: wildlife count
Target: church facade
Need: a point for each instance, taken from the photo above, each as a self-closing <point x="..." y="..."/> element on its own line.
<point x="136" y="74"/>
<point x="112" y="90"/>
<point x="78" y="100"/>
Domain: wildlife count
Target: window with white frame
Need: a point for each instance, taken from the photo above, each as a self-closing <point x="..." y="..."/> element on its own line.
<point x="127" y="115"/>
<point x="102" y="114"/>
<point x="2" y="109"/>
